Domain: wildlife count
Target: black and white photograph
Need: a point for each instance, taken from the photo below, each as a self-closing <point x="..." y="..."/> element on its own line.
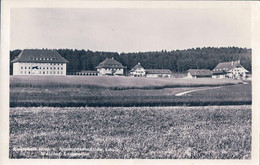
<point x="172" y="82"/>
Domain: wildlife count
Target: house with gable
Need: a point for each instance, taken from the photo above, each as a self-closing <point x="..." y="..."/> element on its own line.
<point x="110" y="67"/>
<point x="39" y="62"/>
<point x="232" y="69"/>
<point x="138" y="71"/>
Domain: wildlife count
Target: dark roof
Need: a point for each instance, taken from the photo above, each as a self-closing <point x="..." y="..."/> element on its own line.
<point x="200" y="72"/>
<point x="110" y="63"/>
<point x="39" y="56"/>
<point x="224" y="67"/>
<point x="158" y="71"/>
<point x="137" y="66"/>
<point x="88" y="71"/>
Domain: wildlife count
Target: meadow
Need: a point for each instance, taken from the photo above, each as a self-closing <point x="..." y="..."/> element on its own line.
<point x="83" y="91"/>
<point x="211" y="132"/>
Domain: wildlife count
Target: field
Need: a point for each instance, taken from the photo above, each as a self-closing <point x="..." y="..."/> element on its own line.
<point x="83" y="91"/>
<point x="211" y="132"/>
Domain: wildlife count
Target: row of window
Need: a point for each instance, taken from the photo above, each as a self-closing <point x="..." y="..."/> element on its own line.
<point x="42" y="63"/>
<point x="43" y="72"/>
<point x="43" y="58"/>
<point x="61" y="68"/>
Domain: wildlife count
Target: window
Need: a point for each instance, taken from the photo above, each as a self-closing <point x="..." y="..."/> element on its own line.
<point x="43" y="72"/>
<point x="50" y="67"/>
<point x="53" y="72"/>
<point x="29" y="72"/>
<point x="46" y="72"/>
<point x="40" y="72"/>
<point x="61" y="72"/>
<point x="29" y="67"/>
<point x="50" y="72"/>
<point x="58" y="72"/>
<point x="21" y="67"/>
<point x="21" y="72"/>
<point x="54" y="68"/>
<point x="24" y="72"/>
<point x="61" y="68"/>
<point x="58" y="68"/>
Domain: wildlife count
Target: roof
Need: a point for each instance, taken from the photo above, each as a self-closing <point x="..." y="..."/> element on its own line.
<point x="137" y="66"/>
<point x="158" y="71"/>
<point x="40" y="56"/>
<point x="88" y="71"/>
<point x="110" y="63"/>
<point x="226" y="66"/>
<point x="200" y="72"/>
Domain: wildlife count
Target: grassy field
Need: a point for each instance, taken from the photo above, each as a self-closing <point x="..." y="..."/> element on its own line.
<point x="123" y="91"/>
<point x="210" y="132"/>
<point x="113" y="82"/>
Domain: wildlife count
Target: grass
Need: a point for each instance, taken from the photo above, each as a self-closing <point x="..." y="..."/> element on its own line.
<point x="115" y="83"/>
<point x="210" y="132"/>
<point x="76" y="97"/>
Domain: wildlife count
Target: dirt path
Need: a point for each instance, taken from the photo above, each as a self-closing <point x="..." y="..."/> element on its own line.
<point x="195" y="90"/>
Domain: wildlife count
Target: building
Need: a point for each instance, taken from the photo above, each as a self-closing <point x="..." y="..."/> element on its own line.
<point x="231" y="69"/>
<point x="138" y="71"/>
<point x="85" y="73"/>
<point x="110" y="67"/>
<point x="39" y="62"/>
<point x="199" y="73"/>
<point x="166" y="73"/>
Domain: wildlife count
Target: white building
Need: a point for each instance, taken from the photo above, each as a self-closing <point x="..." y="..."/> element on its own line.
<point x="110" y="67"/>
<point x="231" y="69"/>
<point x="39" y="62"/>
<point x="165" y="73"/>
<point x="137" y="71"/>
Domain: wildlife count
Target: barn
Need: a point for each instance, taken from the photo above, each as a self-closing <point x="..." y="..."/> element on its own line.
<point x="165" y="73"/>
<point x="232" y="69"/>
<point x="199" y="73"/>
<point x="39" y="62"/>
<point x="110" y="67"/>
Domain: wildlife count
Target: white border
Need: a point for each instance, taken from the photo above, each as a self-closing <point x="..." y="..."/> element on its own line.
<point x="4" y="73"/>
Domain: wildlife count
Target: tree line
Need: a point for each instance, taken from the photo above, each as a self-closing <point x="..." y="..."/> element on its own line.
<point x="175" y="60"/>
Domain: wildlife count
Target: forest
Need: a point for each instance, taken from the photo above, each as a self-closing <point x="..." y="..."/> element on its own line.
<point x="178" y="61"/>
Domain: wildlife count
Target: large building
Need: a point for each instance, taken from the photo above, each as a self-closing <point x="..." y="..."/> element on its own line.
<point x="231" y="69"/>
<point x="138" y="71"/>
<point x="110" y="67"/>
<point x="166" y="73"/>
<point x="39" y="62"/>
<point x="199" y="73"/>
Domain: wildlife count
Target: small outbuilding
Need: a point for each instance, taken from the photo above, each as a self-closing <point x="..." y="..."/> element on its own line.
<point x="199" y="73"/>
<point x="165" y="73"/>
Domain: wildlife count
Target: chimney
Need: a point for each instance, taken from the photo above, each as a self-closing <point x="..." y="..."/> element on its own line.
<point x="232" y="63"/>
<point x="238" y="61"/>
<point x="112" y="57"/>
<point x="138" y="63"/>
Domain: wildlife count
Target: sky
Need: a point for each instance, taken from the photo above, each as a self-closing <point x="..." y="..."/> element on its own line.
<point x="129" y="30"/>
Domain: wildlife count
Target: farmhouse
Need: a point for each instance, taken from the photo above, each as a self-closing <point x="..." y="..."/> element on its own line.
<point x="39" y="62"/>
<point x="158" y="73"/>
<point x="231" y="69"/>
<point x="199" y="73"/>
<point x="110" y="67"/>
<point x="137" y="71"/>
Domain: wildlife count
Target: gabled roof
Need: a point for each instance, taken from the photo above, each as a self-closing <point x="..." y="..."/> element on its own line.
<point x="137" y="66"/>
<point x="39" y="56"/>
<point x="110" y="63"/>
<point x="200" y="72"/>
<point x="226" y="66"/>
<point x="158" y="71"/>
